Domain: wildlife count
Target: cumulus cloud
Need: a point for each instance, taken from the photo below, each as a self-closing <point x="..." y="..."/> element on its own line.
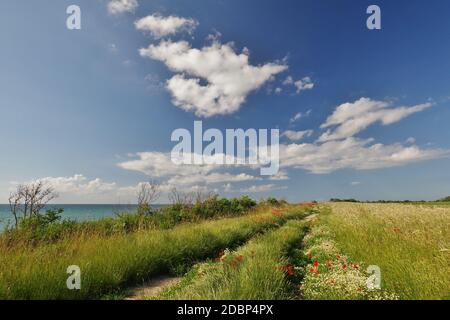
<point x="411" y="140"/>
<point x="353" y="117"/>
<point x="299" y="116"/>
<point x="303" y="84"/>
<point x="121" y="6"/>
<point x="281" y="175"/>
<point x="353" y="153"/>
<point x="80" y="189"/>
<point x="289" y="80"/>
<point x="211" y="178"/>
<point x="160" y="165"/>
<point x="297" y="135"/>
<point x="78" y="184"/>
<point x="160" y="26"/>
<point x="213" y="80"/>
<point x="262" y="188"/>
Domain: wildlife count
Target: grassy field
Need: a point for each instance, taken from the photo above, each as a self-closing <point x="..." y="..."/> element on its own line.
<point x="259" y="270"/>
<point x="109" y="263"/>
<point x="278" y="254"/>
<point x="410" y="244"/>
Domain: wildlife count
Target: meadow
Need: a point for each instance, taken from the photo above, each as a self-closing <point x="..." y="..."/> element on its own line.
<point x="110" y="263"/>
<point x="410" y="244"/>
<point x="326" y="257"/>
<point x="230" y="250"/>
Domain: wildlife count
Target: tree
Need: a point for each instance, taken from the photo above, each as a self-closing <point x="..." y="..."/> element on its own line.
<point x="29" y="199"/>
<point x="148" y="193"/>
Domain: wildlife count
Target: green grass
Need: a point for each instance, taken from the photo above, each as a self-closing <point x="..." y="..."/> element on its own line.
<point x="410" y="243"/>
<point x="258" y="270"/>
<point x="109" y="263"/>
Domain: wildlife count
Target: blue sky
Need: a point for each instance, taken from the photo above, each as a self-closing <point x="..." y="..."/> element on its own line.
<point x="86" y="111"/>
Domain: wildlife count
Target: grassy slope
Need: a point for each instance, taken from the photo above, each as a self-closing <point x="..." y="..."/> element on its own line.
<point x="109" y="263"/>
<point x="409" y="243"/>
<point x="255" y="271"/>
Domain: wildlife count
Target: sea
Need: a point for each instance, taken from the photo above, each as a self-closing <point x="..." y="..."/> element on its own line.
<point x="78" y="212"/>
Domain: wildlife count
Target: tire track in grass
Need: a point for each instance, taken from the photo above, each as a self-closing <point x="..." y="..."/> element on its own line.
<point x="259" y="270"/>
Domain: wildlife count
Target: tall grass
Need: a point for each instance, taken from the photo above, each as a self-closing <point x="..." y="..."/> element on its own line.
<point x="42" y="228"/>
<point x="410" y="243"/>
<point x="111" y="262"/>
<point x="258" y="270"/>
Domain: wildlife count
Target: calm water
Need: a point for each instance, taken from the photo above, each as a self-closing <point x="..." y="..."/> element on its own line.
<point x="79" y="212"/>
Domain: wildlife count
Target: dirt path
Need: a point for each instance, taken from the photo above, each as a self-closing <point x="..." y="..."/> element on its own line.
<point x="155" y="286"/>
<point x="311" y="217"/>
<point x="152" y="288"/>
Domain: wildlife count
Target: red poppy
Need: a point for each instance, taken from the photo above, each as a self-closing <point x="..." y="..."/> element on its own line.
<point x="289" y="270"/>
<point x="344" y="266"/>
<point x="311" y="270"/>
<point x="338" y="257"/>
<point x="316" y="263"/>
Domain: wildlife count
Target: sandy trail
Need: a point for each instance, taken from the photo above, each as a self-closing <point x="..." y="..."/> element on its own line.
<point x="152" y="288"/>
<point x="311" y="217"/>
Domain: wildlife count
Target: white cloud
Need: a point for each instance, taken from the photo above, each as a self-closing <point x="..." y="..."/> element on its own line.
<point x="352" y="118"/>
<point x="339" y="149"/>
<point x="281" y="175"/>
<point x="297" y="135"/>
<point x="78" y="184"/>
<point x="160" y="26"/>
<point x="262" y="188"/>
<point x="160" y="165"/>
<point x="80" y="189"/>
<point x="296" y="117"/>
<point x="211" y="178"/>
<point x="355" y="183"/>
<point x="304" y="84"/>
<point x="121" y="6"/>
<point x="353" y="153"/>
<point x="112" y="47"/>
<point x="289" y="80"/>
<point x="229" y="77"/>
<point x="411" y="140"/>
